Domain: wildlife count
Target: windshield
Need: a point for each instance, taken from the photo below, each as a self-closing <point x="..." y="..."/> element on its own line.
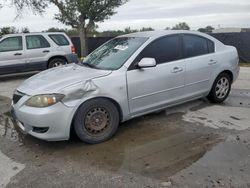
<point x="113" y="54"/>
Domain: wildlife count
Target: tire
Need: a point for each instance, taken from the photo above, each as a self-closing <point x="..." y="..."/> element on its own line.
<point x="221" y="88"/>
<point x="96" y="121"/>
<point x="56" y="62"/>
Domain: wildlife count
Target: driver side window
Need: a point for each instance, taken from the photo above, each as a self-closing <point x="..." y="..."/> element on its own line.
<point x="11" y="44"/>
<point x="163" y="50"/>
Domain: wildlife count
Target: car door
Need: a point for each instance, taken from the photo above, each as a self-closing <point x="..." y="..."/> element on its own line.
<point x="37" y="50"/>
<point x="12" y="56"/>
<point x="155" y="87"/>
<point x="200" y="59"/>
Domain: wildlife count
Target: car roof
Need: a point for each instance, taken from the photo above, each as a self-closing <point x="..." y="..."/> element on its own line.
<point x="32" y="33"/>
<point x="157" y="34"/>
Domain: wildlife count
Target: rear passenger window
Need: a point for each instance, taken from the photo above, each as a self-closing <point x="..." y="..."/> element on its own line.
<point x="195" y="46"/>
<point x="36" y="41"/>
<point x="163" y="50"/>
<point x="11" y="44"/>
<point x="60" y="40"/>
<point x="211" y="47"/>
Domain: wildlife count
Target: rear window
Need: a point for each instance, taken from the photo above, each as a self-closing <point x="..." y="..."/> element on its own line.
<point x="60" y="40"/>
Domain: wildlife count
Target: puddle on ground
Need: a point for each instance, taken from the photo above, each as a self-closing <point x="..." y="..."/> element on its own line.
<point x="151" y="146"/>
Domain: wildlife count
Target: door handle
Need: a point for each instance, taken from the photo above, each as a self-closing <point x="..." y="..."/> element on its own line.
<point x="212" y="62"/>
<point x="18" y="54"/>
<point x="177" y="69"/>
<point x="46" y="51"/>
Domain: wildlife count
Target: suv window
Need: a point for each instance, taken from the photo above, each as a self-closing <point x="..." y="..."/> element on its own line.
<point x="196" y="46"/>
<point x="36" y="41"/>
<point x="164" y="50"/>
<point x="60" y="40"/>
<point x="11" y="44"/>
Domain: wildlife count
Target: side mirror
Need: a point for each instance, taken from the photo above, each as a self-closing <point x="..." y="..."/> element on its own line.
<point x="147" y="63"/>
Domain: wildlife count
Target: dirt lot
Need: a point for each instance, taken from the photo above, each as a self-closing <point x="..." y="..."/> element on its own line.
<point x="193" y="145"/>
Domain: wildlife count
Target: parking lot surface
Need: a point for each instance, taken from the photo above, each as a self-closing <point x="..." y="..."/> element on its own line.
<point x="196" y="144"/>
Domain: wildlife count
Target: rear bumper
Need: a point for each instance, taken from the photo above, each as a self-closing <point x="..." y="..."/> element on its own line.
<point x="236" y="73"/>
<point x="72" y="58"/>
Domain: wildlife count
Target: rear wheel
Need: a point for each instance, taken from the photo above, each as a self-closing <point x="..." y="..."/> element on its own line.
<point x="221" y="88"/>
<point x="96" y="121"/>
<point x="56" y="62"/>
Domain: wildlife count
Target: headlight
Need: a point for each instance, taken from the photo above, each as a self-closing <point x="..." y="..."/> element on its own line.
<point x="41" y="101"/>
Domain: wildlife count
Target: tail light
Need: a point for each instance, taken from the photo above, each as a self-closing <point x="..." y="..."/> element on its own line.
<point x="73" y="50"/>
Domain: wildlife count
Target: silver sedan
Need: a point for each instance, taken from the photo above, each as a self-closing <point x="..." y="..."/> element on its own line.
<point x="127" y="77"/>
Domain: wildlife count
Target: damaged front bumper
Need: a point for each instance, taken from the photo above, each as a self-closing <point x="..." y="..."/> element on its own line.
<point x="52" y="123"/>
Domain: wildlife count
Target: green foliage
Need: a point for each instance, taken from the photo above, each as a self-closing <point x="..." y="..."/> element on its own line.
<point x="114" y="33"/>
<point x="129" y="30"/>
<point x="85" y="13"/>
<point x="181" y="26"/>
<point x="12" y="30"/>
<point x="37" y="6"/>
<point x="54" y="29"/>
<point x="70" y="32"/>
<point x="8" y="30"/>
<point x="146" y="29"/>
<point x="25" y="30"/>
<point x="208" y="29"/>
<point x="109" y="33"/>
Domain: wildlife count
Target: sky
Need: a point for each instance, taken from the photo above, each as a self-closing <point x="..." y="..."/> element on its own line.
<point x="158" y="14"/>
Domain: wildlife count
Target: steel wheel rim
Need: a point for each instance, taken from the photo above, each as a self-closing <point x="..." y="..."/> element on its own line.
<point x="97" y="120"/>
<point x="222" y="88"/>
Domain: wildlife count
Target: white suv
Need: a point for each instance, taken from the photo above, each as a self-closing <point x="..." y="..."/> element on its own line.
<point x="35" y="52"/>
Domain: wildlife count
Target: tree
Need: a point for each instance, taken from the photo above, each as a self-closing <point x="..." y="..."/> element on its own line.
<point x="181" y="26"/>
<point x="129" y="30"/>
<point x="70" y="32"/>
<point x="146" y="29"/>
<point x="84" y="14"/>
<point x="25" y="30"/>
<point x="8" y="30"/>
<point x="55" y="29"/>
<point x="37" y="6"/>
<point x="208" y="29"/>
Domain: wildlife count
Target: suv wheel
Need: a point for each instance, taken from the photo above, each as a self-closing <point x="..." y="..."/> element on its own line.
<point x="221" y="88"/>
<point x="56" y="62"/>
<point x="96" y="121"/>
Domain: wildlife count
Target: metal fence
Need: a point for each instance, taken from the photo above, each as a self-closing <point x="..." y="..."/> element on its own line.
<point x="93" y="43"/>
<point x="240" y="40"/>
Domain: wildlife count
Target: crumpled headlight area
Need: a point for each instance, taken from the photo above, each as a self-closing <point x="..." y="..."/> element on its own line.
<point x="42" y="101"/>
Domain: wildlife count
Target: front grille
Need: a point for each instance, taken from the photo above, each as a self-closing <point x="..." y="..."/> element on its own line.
<point x="17" y="96"/>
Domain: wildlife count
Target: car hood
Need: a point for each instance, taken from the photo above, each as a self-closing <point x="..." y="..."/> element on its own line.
<point x="52" y="80"/>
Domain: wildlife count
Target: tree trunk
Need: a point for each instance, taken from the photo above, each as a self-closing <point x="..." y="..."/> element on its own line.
<point x="84" y="42"/>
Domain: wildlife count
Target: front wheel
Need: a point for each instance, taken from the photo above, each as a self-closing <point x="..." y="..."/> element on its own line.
<point x="221" y="88"/>
<point x="96" y="121"/>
